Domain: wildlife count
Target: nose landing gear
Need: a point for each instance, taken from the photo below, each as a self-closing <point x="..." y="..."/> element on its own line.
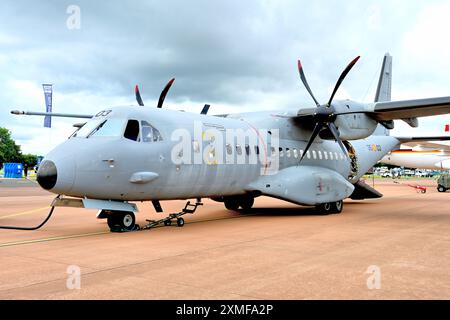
<point x="125" y="221"/>
<point x="122" y="221"/>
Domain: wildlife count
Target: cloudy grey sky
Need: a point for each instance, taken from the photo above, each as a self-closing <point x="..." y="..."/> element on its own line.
<point x="235" y="55"/>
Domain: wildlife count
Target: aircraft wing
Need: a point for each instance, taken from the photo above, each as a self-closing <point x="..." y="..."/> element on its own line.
<point x="391" y="110"/>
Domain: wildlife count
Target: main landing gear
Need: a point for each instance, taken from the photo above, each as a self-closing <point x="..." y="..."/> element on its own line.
<point x="245" y="202"/>
<point x="330" y="207"/>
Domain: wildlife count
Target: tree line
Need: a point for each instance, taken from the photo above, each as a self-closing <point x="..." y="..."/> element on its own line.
<point x="10" y="151"/>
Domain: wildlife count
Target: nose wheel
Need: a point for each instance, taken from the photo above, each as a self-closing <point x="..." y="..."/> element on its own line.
<point x="122" y="221"/>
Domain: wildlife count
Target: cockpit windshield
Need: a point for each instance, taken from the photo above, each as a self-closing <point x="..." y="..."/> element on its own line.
<point x="89" y="126"/>
<point x="109" y="128"/>
<point x="112" y="127"/>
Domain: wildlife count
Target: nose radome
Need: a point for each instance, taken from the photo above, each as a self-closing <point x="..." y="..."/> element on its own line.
<point x="47" y="174"/>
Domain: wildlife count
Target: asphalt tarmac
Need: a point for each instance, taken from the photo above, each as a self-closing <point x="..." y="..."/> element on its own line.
<point x="396" y="247"/>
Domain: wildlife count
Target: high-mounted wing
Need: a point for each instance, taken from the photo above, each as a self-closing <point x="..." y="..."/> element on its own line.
<point x="410" y="108"/>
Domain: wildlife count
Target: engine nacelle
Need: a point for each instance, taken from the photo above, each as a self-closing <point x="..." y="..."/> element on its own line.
<point x="354" y="126"/>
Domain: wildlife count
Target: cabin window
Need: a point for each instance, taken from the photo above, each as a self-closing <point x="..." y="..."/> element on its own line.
<point x="212" y="154"/>
<point x="274" y="152"/>
<point x="229" y="149"/>
<point x="314" y="154"/>
<point x="320" y="154"/>
<point x="150" y="133"/>
<point x="256" y="149"/>
<point x="281" y="152"/>
<point x="308" y="154"/>
<point x="132" y="130"/>
<point x="247" y="149"/>
<point x="288" y="152"/>
<point x="325" y="154"/>
<point x="196" y="146"/>
<point x="336" y="156"/>
<point x="295" y="152"/>
<point x="238" y="149"/>
<point x="331" y="155"/>
<point x="300" y="153"/>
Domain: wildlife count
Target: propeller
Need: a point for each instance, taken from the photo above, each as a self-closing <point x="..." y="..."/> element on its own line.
<point x="164" y="93"/>
<point x="138" y="96"/>
<point x="161" y="97"/>
<point x="205" y="109"/>
<point x="324" y="115"/>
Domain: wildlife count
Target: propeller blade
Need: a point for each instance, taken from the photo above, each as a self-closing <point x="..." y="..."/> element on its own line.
<point x="305" y="83"/>
<point x="138" y="96"/>
<point x="342" y="77"/>
<point x="335" y="133"/>
<point x="164" y="93"/>
<point x="205" y="109"/>
<point x="316" y="131"/>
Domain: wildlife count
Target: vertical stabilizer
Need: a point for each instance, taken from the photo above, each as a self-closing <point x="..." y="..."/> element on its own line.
<point x="385" y="80"/>
<point x="384" y="91"/>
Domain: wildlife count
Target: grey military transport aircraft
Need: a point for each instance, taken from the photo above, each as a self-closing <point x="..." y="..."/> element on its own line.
<point x="308" y="156"/>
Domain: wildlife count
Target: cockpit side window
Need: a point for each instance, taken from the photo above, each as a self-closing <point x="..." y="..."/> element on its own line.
<point x="132" y="130"/>
<point x="150" y="133"/>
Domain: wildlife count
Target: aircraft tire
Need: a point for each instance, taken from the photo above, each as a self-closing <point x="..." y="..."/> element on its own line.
<point x="441" y="189"/>
<point x="180" y="222"/>
<point x="324" y="208"/>
<point x="246" y="203"/>
<point x="167" y="223"/>
<point x="336" y="207"/>
<point x="231" y="204"/>
<point x="122" y="221"/>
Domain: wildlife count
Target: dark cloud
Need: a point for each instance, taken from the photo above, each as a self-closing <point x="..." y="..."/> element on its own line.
<point x="221" y="52"/>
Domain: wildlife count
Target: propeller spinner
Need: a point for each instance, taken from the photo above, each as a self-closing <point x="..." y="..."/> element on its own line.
<point x="325" y="115"/>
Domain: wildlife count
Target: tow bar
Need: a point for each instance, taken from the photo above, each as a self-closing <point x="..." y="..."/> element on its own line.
<point x="167" y="221"/>
<point x="419" y="188"/>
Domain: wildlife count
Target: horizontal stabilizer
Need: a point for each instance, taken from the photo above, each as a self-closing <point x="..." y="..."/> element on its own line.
<point x="364" y="191"/>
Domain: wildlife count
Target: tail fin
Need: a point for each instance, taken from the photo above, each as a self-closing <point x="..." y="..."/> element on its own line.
<point x="384" y="91"/>
<point x="385" y="81"/>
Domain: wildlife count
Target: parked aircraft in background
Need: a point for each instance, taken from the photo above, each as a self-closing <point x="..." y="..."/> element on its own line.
<point x="433" y="155"/>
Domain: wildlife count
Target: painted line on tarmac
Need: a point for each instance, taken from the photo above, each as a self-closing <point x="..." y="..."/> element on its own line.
<point x="16" y="243"/>
<point x="25" y="212"/>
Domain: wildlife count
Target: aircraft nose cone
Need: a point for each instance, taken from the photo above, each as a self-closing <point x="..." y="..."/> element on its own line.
<point x="47" y="174"/>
